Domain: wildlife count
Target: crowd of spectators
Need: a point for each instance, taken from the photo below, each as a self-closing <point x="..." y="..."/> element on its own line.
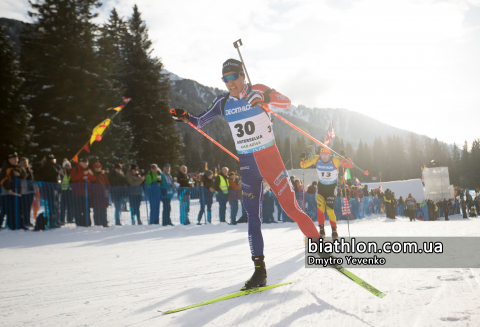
<point x="72" y="192"/>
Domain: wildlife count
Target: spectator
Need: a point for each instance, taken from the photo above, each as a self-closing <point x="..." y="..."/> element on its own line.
<point x="299" y="192"/>
<point x="118" y="182"/>
<point x="206" y="196"/>
<point x="135" y="192"/>
<point x="100" y="196"/>
<point x="167" y="195"/>
<point x="387" y="198"/>
<point x="66" y="205"/>
<point x="365" y="191"/>
<point x="184" y="194"/>
<point x="221" y="188"/>
<point x="153" y="180"/>
<point x="446" y="208"/>
<point x="310" y="200"/>
<point x="10" y="171"/>
<point x="410" y="207"/>
<point x="234" y="194"/>
<point x="81" y="177"/>
<point x="268" y="205"/>
<point x="27" y="191"/>
<point x="49" y="175"/>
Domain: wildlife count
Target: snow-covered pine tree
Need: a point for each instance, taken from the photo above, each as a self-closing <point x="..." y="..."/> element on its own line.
<point x="15" y="117"/>
<point x="155" y="138"/>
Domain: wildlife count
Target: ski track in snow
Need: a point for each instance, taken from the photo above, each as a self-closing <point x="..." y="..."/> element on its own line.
<point x="121" y="276"/>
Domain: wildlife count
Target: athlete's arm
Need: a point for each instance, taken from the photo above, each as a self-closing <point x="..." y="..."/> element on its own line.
<point x="214" y="110"/>
<point x="272" y="98"/>
<point x="337" y="162"/>
<point x="309" y="162"/>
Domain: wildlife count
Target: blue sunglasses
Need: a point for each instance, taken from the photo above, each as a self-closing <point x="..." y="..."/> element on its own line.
<point x="230" y="77"/>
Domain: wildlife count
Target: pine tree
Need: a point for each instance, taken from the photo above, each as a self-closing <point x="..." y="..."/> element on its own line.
<point x="116" y="146"/>
<point x="65" y="88"/>
<point x="378" y="155"/>
<point x="454" y="168"/>
<point x="414" y="158"/>
<point x="14" y="123"/>
<point x="155" y="138"/>
<point x="474" y="164"/>
<point x="465" y="166"/>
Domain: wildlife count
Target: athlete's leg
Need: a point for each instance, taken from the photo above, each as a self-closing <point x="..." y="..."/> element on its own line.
<point x="272" y="169"/>
<point x="331" y="213"/>
<point x="321" y="209"/>
<point x="252" y="191"/>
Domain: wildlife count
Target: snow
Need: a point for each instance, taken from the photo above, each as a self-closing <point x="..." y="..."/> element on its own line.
<point x="121" y="276"/>
<point x="172" y="76"/>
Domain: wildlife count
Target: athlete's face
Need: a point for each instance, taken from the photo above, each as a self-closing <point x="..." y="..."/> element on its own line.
<point x="235" y="87"/>
<point x="325" y="156"/>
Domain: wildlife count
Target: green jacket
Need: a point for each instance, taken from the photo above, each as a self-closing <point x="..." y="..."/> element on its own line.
<point x="152" y="178"/>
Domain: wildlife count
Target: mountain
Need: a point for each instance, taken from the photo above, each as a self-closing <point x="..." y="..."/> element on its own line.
<point x="349" y="125"/>
<point x="14" y="28"/>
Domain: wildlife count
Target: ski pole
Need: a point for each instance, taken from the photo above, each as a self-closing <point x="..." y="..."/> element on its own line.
<point x="237" y="46"/>
<point x="312" y="138"/>
<point x="268" y="110"/>
<point x="208" y="137"/>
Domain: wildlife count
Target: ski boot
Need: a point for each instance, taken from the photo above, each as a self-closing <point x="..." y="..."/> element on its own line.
<point x="259" y="277"/>
<point x="322" y="231"/>
<point x="334" y="233"/>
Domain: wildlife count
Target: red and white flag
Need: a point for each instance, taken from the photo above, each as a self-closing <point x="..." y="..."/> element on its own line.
<point x="330" y="134"/>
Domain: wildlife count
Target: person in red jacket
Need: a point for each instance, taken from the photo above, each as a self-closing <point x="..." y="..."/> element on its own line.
<point x="81" y="176"/>
<point x="99" y="194"/>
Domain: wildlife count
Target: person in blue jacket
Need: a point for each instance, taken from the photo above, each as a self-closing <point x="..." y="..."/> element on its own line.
<point x="245" y="109"/>
<point x="166" y="184"/>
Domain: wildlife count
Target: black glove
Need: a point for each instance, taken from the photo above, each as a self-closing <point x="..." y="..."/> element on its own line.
<point x="255" y="98"/>
<point x="179" y="114"/>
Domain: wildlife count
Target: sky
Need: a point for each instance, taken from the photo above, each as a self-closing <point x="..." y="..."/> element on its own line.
<point x="412" y="64"/>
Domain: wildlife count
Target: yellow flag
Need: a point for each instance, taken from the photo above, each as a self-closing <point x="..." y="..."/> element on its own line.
<point x="116" y="108"/>
<point x="98" y="131"/>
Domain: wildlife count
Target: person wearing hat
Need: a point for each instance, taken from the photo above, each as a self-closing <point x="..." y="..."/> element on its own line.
<point x="66" y="206"/>
<point x="166" y="184"/>
<point x="153" y="179"/>
<point x="206" y="197"/>
<point x="82" y="175"/>
<point x="118" y="184"/>
<point x="99" y="196"/>
<point x="10" y="179"/>
<point x="244" y="109"/>
<point x="135" y="192"/>
<point x="327" y="170"/>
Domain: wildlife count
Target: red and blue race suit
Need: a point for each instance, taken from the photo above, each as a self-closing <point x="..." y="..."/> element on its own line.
<point x="259" y="159"/>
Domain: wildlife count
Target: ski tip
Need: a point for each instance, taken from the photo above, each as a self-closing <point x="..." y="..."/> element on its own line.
<point x="381" y="295"/>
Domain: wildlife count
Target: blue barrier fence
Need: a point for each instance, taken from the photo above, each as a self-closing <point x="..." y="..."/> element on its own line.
<point x="87" y="204"/>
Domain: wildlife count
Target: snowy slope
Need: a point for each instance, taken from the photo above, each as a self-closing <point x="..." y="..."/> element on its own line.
<point x="121" y="276"/>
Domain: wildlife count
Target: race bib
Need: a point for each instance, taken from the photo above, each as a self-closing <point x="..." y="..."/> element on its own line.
<point x="251" y="127"/>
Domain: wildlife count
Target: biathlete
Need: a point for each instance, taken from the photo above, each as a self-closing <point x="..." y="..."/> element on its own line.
<point x="327" y="169"/>
<point x="259" y="157"/>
